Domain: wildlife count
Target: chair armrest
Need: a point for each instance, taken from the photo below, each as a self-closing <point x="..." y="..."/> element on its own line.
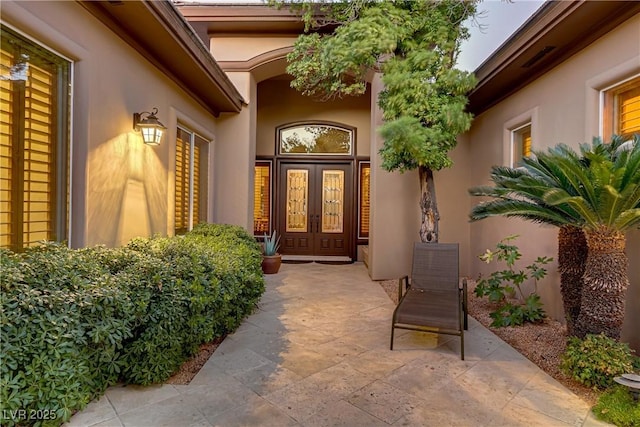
<point x="406" y="282"/>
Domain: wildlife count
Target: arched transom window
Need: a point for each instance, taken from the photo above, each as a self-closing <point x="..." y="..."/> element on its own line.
<point x="315" y="139"/>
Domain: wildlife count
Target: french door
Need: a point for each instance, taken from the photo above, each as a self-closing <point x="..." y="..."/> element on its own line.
<point x="315" y="205"/>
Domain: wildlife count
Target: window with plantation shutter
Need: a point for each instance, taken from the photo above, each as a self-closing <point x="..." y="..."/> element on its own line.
<point x="629" y="111"/>
<point x="622" y="109"/>
<point x="364" y="206"/>
<point x="520" y="144"/>
<point x="191" y="180"/>
<point x="262" y="198"/>
<point x="34" y="136"/>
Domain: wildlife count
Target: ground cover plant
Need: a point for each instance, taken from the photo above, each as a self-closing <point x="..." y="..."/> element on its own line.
<point x="596" y="360"/>
<point x="501" y="285"/>
<point x="76" y="321"/>
<point x="618" y="407"/>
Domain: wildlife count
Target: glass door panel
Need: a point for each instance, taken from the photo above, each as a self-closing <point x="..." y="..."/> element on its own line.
<point x="315" y="208"/>
<point x="332" y="201"/>
<point x="297" y="200"/>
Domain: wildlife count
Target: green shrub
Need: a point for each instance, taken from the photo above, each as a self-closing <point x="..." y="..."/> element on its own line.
<point x="617" y="406"/>
<point x="64" y="320"/>
<point x="503" y="283"/>
<point x="76" y="321"/>
<point x="208" y="282"/>
<point x="596" y="360"/>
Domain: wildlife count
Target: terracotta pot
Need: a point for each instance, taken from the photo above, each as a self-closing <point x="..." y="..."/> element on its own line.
<point x="271" y="264"/>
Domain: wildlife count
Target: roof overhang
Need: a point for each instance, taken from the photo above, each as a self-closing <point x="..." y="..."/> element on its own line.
<point x="221" y="19"/>
<point x="161" y="34"/>
<point x="558" y="30"/>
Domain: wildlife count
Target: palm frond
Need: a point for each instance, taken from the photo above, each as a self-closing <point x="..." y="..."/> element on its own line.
<point x="558" y="197"/>
<point x="520" y="209"/>
<point x="609" y="205"/>
<point x="599" y="185"/>
<point x="628" y="219"/>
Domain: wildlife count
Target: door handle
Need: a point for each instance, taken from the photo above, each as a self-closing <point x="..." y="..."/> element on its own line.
<point x="317" y="218"/>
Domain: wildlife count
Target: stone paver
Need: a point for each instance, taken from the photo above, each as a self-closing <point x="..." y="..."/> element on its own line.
<point x="316" y="353"/>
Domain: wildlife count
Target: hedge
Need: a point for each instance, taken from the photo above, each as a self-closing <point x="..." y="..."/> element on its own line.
<point x="74" y="322"/>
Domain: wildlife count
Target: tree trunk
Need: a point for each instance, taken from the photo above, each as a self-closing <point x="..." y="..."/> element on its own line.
<point x="605" y="284"/>
<point x="428" y="207"/>
<point x="572" y="257"/>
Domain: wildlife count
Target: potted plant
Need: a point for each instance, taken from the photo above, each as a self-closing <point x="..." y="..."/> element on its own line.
<point x="271" y="259"/>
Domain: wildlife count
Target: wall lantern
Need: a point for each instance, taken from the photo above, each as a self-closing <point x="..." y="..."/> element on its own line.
<point x="149" y="125"/>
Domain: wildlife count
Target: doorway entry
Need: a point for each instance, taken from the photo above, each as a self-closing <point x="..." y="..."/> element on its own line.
<point x="315" y="209"/>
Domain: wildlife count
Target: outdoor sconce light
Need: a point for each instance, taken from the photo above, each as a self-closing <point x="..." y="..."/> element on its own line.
<point x="149" y="125"/>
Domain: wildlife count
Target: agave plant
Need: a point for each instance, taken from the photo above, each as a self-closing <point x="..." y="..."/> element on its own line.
<point x="271" y="243"/>
<point x="594" y="190"/>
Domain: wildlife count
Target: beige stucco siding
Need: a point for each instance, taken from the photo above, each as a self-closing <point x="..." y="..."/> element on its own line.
<point x="121" y="188"/>
<point x="563" y="105"/>
<point x="236" y="151"/>
<point x="279" y="104"/>
<point x="396" y="217"/>
<point x="240" y="48"/>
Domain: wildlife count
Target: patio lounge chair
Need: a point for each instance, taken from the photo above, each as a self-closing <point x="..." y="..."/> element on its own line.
<point x="433" y="300"/>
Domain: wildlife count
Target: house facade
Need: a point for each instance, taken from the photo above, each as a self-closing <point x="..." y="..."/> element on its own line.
<point x="242" y="147"/>
<point x="74" y="167"/>
<point x="571" y="73"/>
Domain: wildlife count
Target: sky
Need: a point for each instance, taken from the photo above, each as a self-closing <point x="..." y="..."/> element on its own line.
<point x="502" y="19"/>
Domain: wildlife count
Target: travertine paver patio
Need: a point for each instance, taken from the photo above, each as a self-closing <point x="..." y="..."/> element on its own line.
<point x="316" y="353"/>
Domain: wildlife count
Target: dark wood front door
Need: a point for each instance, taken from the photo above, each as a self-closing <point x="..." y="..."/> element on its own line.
<point x="315" y="209"/>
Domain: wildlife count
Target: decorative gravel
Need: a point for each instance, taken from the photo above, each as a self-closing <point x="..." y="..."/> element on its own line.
<point x="191" y="367"/>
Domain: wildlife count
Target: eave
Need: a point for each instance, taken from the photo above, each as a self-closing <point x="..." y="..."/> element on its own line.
<point x="557" y="31"/>
<point x="220" y="19"/>
<point x="158" y="31"/>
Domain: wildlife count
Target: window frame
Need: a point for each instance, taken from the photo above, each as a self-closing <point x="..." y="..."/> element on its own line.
<point x="269" y="164"/>
<point x="609" y="119"/>
<point x="349" y="130"/>
<point x="362" y="164"/>
<point x="196" y="140"/>
<point x="527" y="118"/>
<point x="60" y="140"/>
<point x="517" y="138"/>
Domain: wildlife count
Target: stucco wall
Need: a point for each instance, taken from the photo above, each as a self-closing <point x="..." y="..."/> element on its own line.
<point x="236" y="153"/>
<point x="121" y="188"/>
<point x="396" y="215"/>
<point x="244" y="48"/>
<point x="564" y="107"/>
<point x="279" y="104"/>
<point x="395" y="212"/>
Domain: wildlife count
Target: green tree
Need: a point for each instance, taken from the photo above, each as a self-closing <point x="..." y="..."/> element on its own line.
<point x="414" y="45"/>
<point x="596" y="191"/>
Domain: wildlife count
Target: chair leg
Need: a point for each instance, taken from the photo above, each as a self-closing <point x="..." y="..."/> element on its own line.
<point x="391" y="346"/>
<point x="462" y="345"/>
<point x="465" y="304"/>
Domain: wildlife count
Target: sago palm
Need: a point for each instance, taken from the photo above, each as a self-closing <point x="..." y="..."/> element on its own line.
<point x="606" y="194"/>
<point x="519" y="193"/>
<point x="527" y="192"/>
